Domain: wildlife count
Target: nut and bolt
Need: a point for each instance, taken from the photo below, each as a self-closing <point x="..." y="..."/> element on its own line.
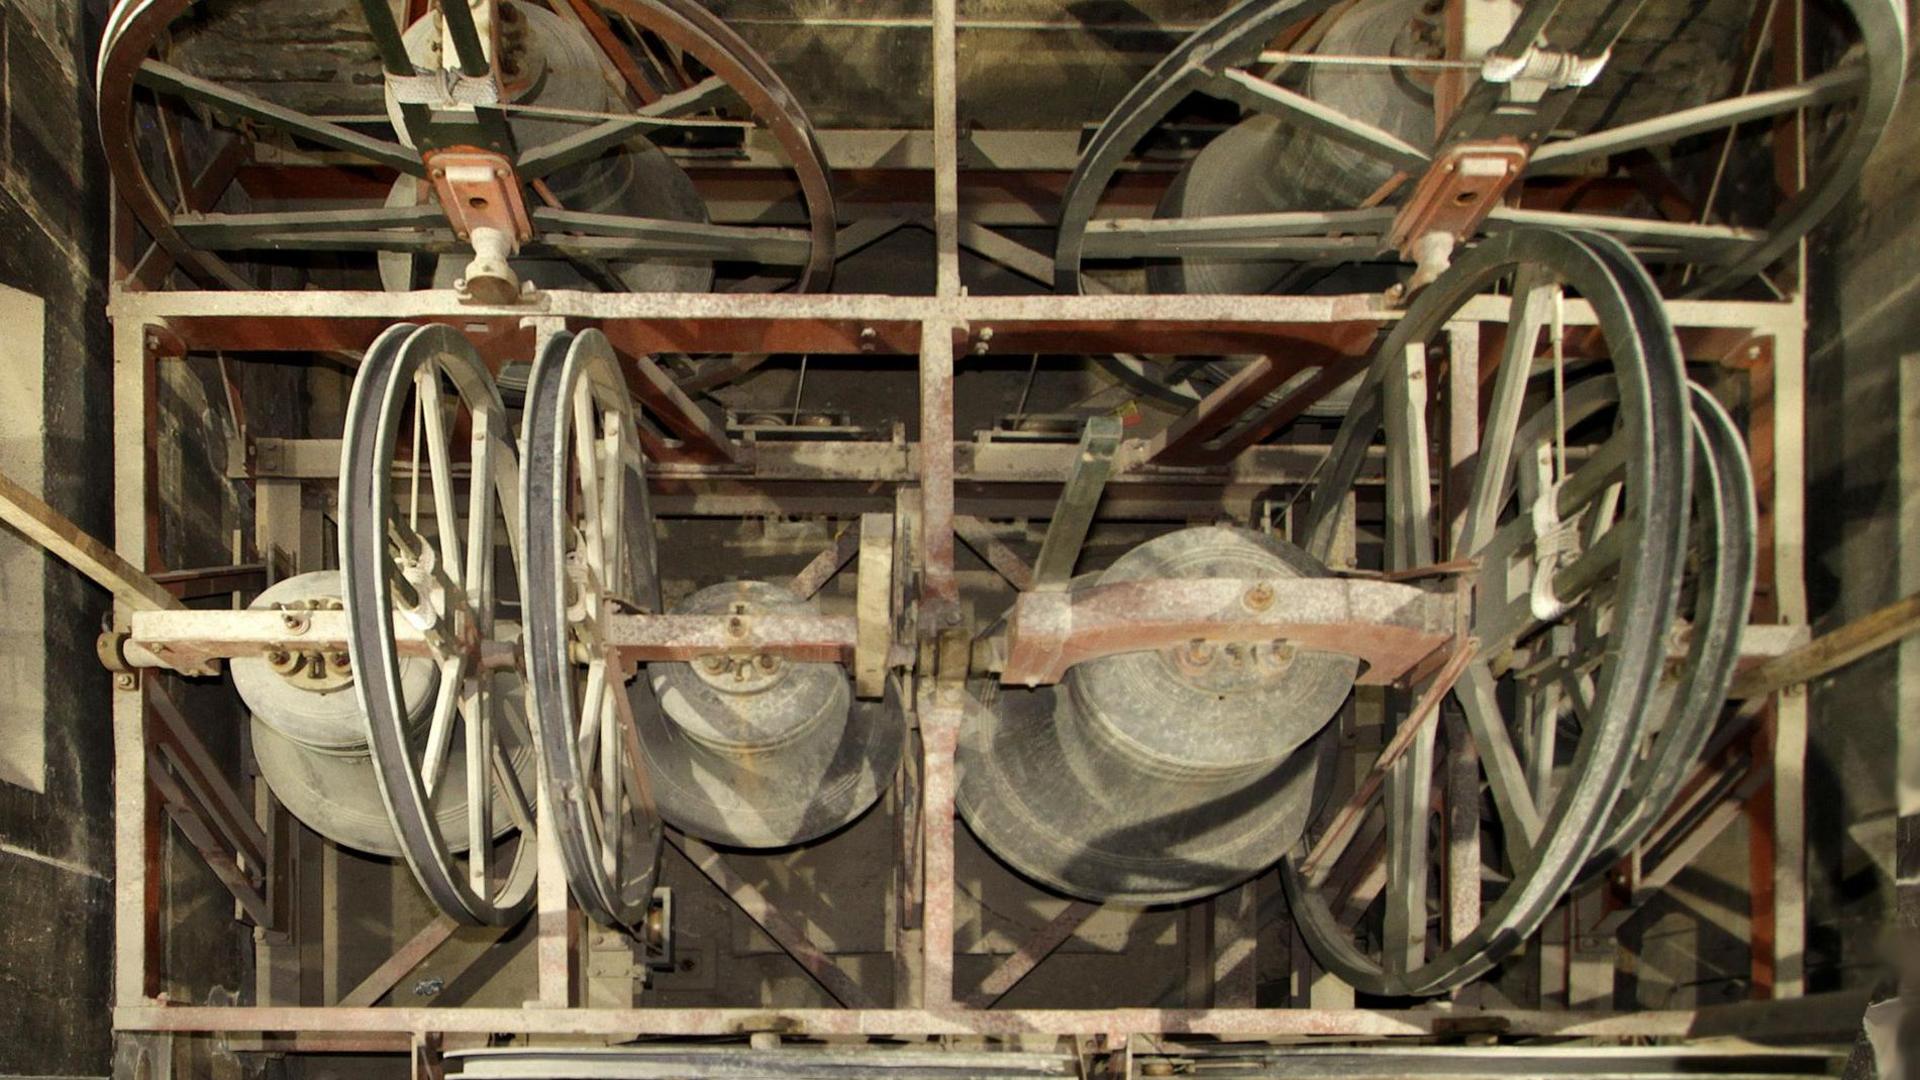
<point x="124" y="680"/>
<point x="278" y="657"/>
<point x="869" y="339"/>
<point x="766" y="662"/>
<point x="1199" y="654"/>
<point x="714" y="664"/>
<point x="1260" y="597"/>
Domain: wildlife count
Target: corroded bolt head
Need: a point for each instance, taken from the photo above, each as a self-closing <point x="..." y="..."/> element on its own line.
<point x="714" y="664"/>
<point x="339" y="661"/>
<point x="767" y="662"/>
<point x="1199" y="654"/>
<point x="1260" y="597"/>
<point x="124" y="680"/>
<point x="278" y="657"/>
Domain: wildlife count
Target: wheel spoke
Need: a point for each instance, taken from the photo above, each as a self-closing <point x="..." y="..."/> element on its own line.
<point x="475" y="703"/>
<point x="1533" y="297"/>
<point x="513" y="795"/>
<point x="592" y="702"/>
<point x="446" y="700"/>
<point x="612" y="821"/>
<point x="239" y="232"/>
<point x="586" y="460"/>
<point x="615" y="235"/>
<point x="1691" y="241"/>
<point x="616" y="580"/>
<point x="1838" y="85"/>
<point x="551" y="157"/>
<point x="426" y="384"/>
<point x="170" y="79"/>
<point x="1409" y="807"/>
<point x="1294" y="234"/>
<point x="1506" y="777"/>
<point x="1253" y="92"/>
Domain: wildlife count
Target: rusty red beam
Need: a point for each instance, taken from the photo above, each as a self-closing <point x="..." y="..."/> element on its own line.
<point x="1218" y="410"/>
<point x="1392" y="627"/>
<point x="1281" y="413"/>
<point x="1004" y="560"/>
<point x="668" y="405"/>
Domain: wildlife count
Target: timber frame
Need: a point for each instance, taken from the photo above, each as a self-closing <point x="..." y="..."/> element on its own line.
<point x="943" y="479"/>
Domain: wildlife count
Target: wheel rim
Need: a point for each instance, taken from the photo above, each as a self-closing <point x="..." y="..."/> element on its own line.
<point x="1213" y="60"/>
<point x="1724" y="530"/>
<point x="447" y="588"/>
<point x="135" y="27"/>
<point x="1552" y="823"/>
<point x="589" y="536"/>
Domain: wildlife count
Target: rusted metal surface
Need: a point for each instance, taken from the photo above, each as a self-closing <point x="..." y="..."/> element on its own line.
<point x="941" y="710"/>
<point x="1457" y="192"/>
<point x="1219" y="409"/>
<point x="675" y="411"/>
<point x="797" y="635"/>
<point x="478" y="190"/>
<point x="1392" y="627"/>
<point x="938" y="589"/>
<point x="978" y="535"/>
<point x="821" y="568"/>
<point x="1827" y="1015"/>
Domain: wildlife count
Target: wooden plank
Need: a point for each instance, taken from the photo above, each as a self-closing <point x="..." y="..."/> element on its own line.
<point x="873" y="602"/>
<point x="1831" y="651"/>
<point x="72" y="545"/>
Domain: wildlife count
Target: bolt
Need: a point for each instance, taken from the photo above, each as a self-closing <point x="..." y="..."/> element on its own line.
<point x="737" y="626"/>
<point x="713" y="664"/>
<point x="766" y="662"/>
<point x="124" y="681"/>
<point x="983" y="342"/>
<point x="1260" y="597"/>
<point x="869" y="339"/>
<point x="278" y="657"/>
<point x="1199" y="654"/>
